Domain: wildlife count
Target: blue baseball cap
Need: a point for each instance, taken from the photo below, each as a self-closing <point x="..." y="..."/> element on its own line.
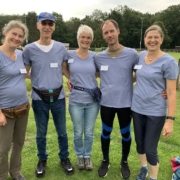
<point x="45" y="16"/>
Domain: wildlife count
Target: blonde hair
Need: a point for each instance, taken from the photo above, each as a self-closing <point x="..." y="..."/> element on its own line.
<point x="154" y="27"/>
<point x="85" y="28"/>
<point x="15" y="24"/>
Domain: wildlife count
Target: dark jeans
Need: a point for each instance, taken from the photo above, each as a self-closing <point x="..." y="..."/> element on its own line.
<point x="41" y="114"/>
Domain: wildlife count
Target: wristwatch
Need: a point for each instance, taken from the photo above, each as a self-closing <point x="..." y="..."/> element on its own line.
<point x="170" y="117"/>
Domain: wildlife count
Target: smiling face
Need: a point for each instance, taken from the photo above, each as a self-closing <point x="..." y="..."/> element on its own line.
<point x="46" y="28"/>
<point x="153" y="40"/>
<point x="14" y="37"/>
<point x="110" y="34"/>
<point x="84" y="40"/>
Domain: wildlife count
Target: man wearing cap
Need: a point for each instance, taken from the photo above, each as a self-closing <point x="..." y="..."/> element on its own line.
<point x="45" y="58"/>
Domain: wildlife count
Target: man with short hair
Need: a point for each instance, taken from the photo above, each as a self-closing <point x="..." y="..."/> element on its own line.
<point x="46" y="58"/>
<point x="115" y="65"/>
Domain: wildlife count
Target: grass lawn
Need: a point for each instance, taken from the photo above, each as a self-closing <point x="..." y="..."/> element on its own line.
<point x="167" y="149"/>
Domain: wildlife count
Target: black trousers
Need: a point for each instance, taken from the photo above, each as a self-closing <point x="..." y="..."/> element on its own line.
<point x="124" y="118"/>
<point x="147" y="131"/>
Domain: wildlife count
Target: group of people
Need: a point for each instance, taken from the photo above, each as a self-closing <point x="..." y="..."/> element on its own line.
<point x="47" y="61"/>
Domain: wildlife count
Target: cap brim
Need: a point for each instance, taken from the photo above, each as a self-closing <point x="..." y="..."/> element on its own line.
<point x="46" y="19"/>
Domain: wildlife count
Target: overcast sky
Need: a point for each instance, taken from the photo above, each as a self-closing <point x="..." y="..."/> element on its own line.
<point x="81" y="8"/>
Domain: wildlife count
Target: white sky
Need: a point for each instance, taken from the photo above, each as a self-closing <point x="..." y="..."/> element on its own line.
<point x="81" y="8"/>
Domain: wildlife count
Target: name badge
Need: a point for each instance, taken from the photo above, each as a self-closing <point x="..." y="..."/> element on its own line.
<point x="23" y="71"/>
<point x="137" y="66"/>
<point x="70" y="60"/>
<point x="104" y="68"/>
<point x="53" y="65"/>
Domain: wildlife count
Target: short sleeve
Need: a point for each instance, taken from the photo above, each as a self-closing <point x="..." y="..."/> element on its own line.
<point x="95" y="62"/>
<point x="26" y="56"/>
<point x="64" y="51"/>
<point x="171" y="70"/>
<point x="136" y="58"/>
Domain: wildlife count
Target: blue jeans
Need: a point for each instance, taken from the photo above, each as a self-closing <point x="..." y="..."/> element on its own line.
<point x="41" y="114"/>
<point x="83" y="117"/>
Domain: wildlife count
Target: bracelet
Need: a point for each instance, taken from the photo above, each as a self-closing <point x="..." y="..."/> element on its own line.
<point x="170" y="117"/>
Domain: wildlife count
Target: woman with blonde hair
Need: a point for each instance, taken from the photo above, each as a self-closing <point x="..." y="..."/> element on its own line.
<point x="82" y="107"/>
<point x="152" y="113"/>
<point x="14" y="105"/>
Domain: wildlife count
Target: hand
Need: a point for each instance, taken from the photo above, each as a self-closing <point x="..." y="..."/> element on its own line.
<point x="164" y="94"/>
<point x="3" y="121"/>
<point x="69" y="85"/>
<point x="134" y="78"/>
<point x="29" y="75"/>
<point x="168" y="128"/>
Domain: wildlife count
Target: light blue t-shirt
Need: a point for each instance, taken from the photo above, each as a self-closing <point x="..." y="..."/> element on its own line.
<point x="46" y="72"/>
<point x="151" y="81"/>
<point x="82" y="74"/>
<point x="116" y="75"/>
<point x="12" y="85"/>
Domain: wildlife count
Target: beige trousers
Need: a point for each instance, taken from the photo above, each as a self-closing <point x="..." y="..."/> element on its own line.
<point x="12" y="138"/>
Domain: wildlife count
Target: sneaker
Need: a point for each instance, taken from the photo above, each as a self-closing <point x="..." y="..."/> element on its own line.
<point x="20" y="177"/>
<point x="66" y="164"/>
<point x="125" y="171"/>
<point x="142" y="174"/>
<point x="102" y="171"/>
<point x="40" y="170"/>
<point x="88" y="163"/>
<point x="80" y="163"/>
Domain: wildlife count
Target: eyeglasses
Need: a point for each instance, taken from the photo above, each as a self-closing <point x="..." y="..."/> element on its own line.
<point x="49" y="23"/>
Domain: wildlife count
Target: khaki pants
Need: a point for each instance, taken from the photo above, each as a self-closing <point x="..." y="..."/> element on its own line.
<point x="12" y="138"/>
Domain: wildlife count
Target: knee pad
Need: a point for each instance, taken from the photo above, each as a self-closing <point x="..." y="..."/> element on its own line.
<point x="126" y="133"/>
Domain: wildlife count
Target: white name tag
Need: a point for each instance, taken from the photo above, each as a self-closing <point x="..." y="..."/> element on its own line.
<point x="53" y="65"/>
<point x="70" y="60"/>
<point x="137" y="66"/>
<point x="23" y="71"/>
<point x="104" y="68"/>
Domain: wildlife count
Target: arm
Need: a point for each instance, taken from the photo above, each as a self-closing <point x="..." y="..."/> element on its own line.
<point x="3" y="121"/>
<point x="65" y="70"/>
<point x="69" y="85"/>
<point x="134" y="78"/>
<point x="171" y="93"/>
<point x="28" y="74"/>
<point x="97" y="74"/>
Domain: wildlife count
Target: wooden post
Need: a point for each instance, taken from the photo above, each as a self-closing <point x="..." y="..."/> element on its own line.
<point x="178" y="79"/>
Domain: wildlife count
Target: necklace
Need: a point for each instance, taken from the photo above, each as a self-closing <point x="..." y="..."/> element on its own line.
<point x="151" y="58"/>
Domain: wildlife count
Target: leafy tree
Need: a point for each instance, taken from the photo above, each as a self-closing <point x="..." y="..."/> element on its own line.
<point x="171" y="19"/>
<point x="31" y="20"/>
<point x="167" y="39"/>
<point x="59" y="33"/>
<point x="71" y="31"/>
<point x="130" y="22"/>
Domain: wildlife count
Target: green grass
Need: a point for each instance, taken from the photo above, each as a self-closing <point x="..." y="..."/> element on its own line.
<point x="175" y="55"/>
<point x="167" y="149"/>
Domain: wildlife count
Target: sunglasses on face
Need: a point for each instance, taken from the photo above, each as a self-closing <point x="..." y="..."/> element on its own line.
<point x="49" y="23"/>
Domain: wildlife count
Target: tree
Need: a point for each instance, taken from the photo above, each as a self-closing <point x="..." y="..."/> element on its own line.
<point x="171" y="19"/>
<point x="71" y="31"/>
<point x="31" y="20"/>
<point x="167" y="39"/>
<point x="98" y="15"/>
<point x="59" y="33"/>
